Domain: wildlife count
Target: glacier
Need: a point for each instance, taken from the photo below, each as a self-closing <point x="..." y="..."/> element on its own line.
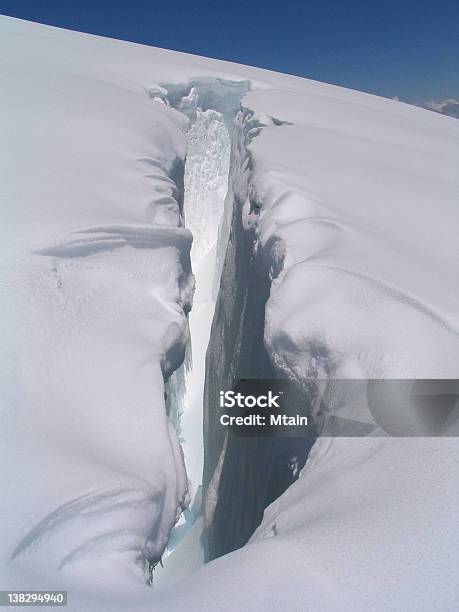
<point x="159" y="206"/>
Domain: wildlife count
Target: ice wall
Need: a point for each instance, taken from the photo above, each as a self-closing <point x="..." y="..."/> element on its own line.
<point x="241" y="475"/>
<point x="206" y="184"/>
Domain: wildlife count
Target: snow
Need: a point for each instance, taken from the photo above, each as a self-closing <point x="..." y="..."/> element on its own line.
<point x="98" y="280"/>
<point x="369" y="525"/>
<point x="359" y="242"/>
<point x="353" y="201"/>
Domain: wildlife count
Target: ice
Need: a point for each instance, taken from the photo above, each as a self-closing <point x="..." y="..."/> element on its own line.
<point x="206" y="181"/>
<point x="206" y="184"/>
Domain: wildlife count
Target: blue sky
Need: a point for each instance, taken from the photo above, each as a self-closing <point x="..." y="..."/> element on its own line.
<point x="399" y="48"/>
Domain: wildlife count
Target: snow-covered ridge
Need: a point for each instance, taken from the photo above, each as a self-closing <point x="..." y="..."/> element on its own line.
<point x="353" y="241"/>
<point x="343" y="215"/>
<point x="99" y="271"/>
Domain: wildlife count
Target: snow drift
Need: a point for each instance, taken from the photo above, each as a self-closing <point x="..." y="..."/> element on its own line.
<point x="347" y="206"/>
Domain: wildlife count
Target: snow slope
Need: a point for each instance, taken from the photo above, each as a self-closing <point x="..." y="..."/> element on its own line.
<point x="353" y="201"/>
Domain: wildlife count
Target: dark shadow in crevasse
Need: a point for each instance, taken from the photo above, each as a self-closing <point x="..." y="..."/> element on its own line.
<point x="255" y="470"/>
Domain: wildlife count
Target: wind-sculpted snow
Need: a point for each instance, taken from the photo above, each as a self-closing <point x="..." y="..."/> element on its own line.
<point x="99" y="284"/>
<point x="355" y="532"/>
<point x="93" y="509"/>
<point x="341" y="216"/>
<point x="95" y="239"/>
<point x="363" y="215"/>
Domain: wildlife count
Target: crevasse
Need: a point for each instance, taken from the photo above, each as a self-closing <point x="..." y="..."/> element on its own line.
<point x="206" y="215"/>
<point x="239" y="477"/>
